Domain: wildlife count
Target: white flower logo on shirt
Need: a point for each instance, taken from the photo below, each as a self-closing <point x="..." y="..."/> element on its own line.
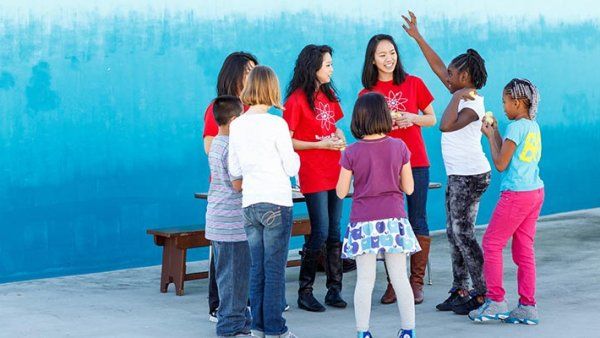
<point x="395" y="101"/>
<point x="325" y="115"/>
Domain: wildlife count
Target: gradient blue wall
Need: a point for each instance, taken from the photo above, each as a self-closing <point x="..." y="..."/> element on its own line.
<point x="101" y="114"/>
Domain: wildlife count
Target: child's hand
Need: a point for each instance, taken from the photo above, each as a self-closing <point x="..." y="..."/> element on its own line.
<point x="489" y="128"/>
<point x="411" y="25"/>
<point x="466" y="94"/>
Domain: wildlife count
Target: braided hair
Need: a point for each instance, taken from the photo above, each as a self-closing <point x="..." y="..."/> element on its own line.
<point x="524" y="90"/>
<point x="474" y="64"/>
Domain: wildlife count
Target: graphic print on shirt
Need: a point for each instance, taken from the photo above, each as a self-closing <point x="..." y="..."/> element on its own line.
<point x="395" y="101"/>
<point x="325" y="115"/>
<point x="532" y="148"/>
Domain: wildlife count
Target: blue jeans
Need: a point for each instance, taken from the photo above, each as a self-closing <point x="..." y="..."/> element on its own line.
<point x="232" y="267"/>
<point x="325" y="211"/>
<point x="268" y="227"/>
<point x="417" y="202"/>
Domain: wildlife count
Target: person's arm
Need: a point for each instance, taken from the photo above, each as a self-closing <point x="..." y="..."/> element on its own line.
<point x="502" y="152"/>
<point x="289" y="159"/>
<point x="233" y="162"/>
<point x="407" y="183"/>
<point x="428" y="118"/>
<point x="435" y="62"/>
<point x="328" y="144"/>
<point x="343" y="185"/>
<point x="207" y="143"/>
<point x="452" y="119"/>
<point x="237" y="185"/>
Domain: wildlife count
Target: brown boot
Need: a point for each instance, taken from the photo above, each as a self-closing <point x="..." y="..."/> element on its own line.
<point x="418" y="264"/>
<point x="389" y="296"/>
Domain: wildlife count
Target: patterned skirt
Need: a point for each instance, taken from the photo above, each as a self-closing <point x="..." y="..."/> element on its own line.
<point x="392" y="235"/>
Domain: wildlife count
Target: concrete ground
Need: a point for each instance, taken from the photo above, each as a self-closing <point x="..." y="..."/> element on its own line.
<point x="128" y="303"/>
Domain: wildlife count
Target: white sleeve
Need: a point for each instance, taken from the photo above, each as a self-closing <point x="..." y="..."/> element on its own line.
<point x="476" y="105"/>
<point x="283" y="141"/>
<point x="235" y="169"/>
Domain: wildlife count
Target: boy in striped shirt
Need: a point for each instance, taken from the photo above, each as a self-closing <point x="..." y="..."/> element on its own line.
<point x="225" y="227"/>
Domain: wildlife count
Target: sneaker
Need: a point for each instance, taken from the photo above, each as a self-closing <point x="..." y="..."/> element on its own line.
<point x="212" y="316"/>
<point x="455" y="298"/>
<point x="289" y="335"/>
<point x="257" y="334"/>
<point x="407" y="334"/>
<point x="473" y="303"/>
<point x="490" y="310"/>
<point x="363" y="334"/>
<point x="523" y="314"/>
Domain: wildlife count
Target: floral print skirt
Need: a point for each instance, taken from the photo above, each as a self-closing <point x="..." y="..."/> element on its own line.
<point x="392" y="235"/>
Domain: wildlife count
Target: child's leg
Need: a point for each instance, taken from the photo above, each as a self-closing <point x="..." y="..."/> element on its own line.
<point x="366" y="269"/>
<point x="523" y="252"/>
<point x="232" y="265"/>
<point x="506" y="218"/>
<point x="254" y="231"/>
<point x="406" y="305"/>
<point x="460" y="276"/>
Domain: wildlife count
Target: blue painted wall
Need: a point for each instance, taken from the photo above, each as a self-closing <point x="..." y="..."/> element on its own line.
<point x="101" y="111"/>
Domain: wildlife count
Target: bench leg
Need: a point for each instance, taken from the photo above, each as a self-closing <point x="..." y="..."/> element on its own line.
<point x="173" y="267"/>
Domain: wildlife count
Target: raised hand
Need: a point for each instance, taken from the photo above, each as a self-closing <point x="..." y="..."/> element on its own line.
<point x="411" y="25"/>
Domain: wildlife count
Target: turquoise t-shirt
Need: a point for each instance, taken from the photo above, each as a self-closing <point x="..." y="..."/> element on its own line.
<point x="523" y="173"/>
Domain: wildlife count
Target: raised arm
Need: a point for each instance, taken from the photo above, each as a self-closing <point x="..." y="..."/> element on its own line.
<point x="434" y="60"/>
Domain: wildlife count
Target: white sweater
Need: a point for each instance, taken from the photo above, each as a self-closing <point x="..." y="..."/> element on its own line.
<point x="260" y="150"/>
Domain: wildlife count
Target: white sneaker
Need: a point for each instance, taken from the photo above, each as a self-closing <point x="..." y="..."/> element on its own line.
<point x="212" y="316"/>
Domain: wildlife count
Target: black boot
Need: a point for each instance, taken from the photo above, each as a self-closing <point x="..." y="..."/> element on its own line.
<point x="308" y="269"/>
<point x="333" y="269"/>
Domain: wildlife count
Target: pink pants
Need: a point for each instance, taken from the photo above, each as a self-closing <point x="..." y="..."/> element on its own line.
<point x="515" y="216"/>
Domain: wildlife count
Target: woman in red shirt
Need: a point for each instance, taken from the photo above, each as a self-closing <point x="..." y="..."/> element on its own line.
<point x="230" y="81"/>
<point x="311" y="110"/>
<point x="406" y="96"/>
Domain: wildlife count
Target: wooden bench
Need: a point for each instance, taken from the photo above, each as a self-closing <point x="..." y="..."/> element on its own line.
<point x="176" y="241"/>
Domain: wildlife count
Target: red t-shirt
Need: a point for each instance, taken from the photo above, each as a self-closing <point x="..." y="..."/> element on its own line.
<point x="211" y="128"/>
<point x="210" y="124"/>
<point x="410" y="96"/>
<point x="319" y="169"/>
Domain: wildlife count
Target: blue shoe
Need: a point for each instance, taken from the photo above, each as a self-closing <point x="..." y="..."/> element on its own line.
<point x="363" y="334"/>
<point x="407" y="334"/>
<point x="490" y="310"/>
<point x="523" y="314"/>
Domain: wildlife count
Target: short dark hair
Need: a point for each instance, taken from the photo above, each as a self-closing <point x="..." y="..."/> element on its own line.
<point x="225" y="107"/>
<point x="307" y="65"/>
<point x="474" y="65"/>
<point x="231" y="76"/>
<point x="371" y="115"/>
<point x="370" y="74"/>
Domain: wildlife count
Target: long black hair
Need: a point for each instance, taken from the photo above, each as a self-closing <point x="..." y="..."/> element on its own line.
<point x="370" y="72"/>
<point x="309" y="61"/>
<point x="231" y="76"/>
<point x="474" y="64"/>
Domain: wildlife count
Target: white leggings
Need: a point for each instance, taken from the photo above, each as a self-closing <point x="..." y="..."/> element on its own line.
<point x="366" y="266"/>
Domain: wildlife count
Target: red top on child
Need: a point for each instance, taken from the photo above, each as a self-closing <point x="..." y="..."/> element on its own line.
<point x="410" y="96"/>
<point x="319" y="168"/>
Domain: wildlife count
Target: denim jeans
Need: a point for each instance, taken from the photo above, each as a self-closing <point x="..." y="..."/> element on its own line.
<point x="417" y="202"/>
<point x="232" y="266"/>
<point x="268" y="227"/>
<point x="324" y="210"/>
<point x="213" y="292"/>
